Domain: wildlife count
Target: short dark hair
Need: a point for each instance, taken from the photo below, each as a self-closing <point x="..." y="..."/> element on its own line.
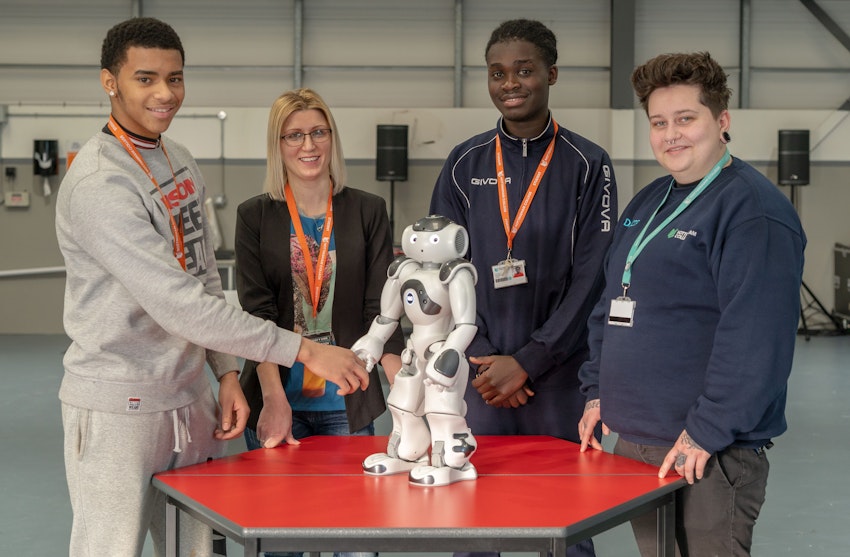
<point x="697" y="68"/>
<point x="145" y="32"/>
<point x="527" y="30"/>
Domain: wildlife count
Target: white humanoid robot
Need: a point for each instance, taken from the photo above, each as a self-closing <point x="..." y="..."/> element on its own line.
<point x="435" y="287"/>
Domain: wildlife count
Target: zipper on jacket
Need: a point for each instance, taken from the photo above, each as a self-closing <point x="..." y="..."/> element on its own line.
<point x="524" y="147"/>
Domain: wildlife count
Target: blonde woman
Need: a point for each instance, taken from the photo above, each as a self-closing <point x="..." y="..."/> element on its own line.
<point x="312" y="256"/>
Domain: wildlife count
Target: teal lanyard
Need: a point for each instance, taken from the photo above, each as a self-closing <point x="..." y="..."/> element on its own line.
<point x="641" y="242"/>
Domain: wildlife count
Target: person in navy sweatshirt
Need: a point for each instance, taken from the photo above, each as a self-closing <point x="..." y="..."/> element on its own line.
<point x="539" y="202"/>
<point x="692" y="341"/>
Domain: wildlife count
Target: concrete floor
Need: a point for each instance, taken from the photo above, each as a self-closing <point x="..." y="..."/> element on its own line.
<point x="808" y="498"/>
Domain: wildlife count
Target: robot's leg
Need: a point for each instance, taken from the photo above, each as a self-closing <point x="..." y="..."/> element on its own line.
<point x="407" y="447"/>
<point x="410" y="438"/>
<point x="452" y="446"/>
<point x="452" y="442"/>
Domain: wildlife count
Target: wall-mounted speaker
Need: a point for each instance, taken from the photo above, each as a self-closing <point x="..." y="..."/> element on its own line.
<point x="391" y="158"/>
<point x="793" y="157"/>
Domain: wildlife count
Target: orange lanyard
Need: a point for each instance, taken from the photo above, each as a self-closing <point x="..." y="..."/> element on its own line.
<point x="511" y="230"/>
<point x="176" y="231"/>
<point x="314" y="279"/>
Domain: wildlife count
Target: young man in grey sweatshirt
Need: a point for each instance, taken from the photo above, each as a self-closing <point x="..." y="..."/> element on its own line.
<point x="145" y="311"/>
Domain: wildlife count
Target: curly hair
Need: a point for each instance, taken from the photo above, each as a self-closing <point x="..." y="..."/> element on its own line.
<point x="684" y="69"/>
<point x="282" y="108"/>
<point x="145" y="32"/>
<point x="527" y="30"/>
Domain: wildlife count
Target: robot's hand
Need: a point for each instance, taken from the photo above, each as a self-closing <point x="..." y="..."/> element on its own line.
<point x="369" y="349"/>
<point x="445" y="366"/>
<point x="436" y="386"/>
<point x="407" y="356"/>
<point x="368" y="361"/>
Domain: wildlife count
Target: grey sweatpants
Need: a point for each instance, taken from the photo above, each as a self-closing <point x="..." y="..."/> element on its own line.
<point x="109" y="462"/>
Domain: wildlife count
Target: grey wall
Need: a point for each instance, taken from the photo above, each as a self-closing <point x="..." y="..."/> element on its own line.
<point x="385" y="61"/>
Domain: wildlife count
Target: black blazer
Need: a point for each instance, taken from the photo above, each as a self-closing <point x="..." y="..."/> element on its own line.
<point x="264" y="283"/>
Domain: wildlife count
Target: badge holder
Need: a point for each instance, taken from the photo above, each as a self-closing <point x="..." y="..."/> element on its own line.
<point x="313" y="386"/>
<point x="622" y="312"/>
<point x="510" y="272"/>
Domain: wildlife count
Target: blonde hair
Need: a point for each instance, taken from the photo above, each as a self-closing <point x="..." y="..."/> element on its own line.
<point x="282" y="108"/>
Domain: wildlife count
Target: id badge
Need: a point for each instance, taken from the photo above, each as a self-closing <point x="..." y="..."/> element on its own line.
<point x="323" y="337"/>
<point x="622" y="312"/>
<point x="510" y="272"/>
<point x="312" y="385"/>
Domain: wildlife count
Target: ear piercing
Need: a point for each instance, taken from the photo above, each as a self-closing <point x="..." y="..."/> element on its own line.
<point x="726" y="138"/>
<point x="112" y="93"/>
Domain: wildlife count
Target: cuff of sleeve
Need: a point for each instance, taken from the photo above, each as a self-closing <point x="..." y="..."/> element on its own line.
<point x="591" y="394"/>
<point x="480" y="347"/>
<point x="534" y="359"/>
<point x="222" y="364"/>
<point x="710" y="441"/>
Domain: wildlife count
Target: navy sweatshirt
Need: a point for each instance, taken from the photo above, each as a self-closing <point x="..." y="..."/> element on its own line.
<point x="717" y="296"/>
<point x="563" y="240"/>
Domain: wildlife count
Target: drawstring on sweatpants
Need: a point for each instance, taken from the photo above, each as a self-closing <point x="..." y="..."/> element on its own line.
<point x="175" y="419"/>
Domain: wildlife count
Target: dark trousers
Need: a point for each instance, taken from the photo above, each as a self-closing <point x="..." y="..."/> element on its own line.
<point x="715" y="516"/>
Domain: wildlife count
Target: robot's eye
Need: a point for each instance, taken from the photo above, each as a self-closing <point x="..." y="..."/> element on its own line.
<point x="413" y="238"/>
<point x="435" y="239"/>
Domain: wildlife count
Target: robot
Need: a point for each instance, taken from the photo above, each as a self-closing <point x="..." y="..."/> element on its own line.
<point x="435" y="288"/>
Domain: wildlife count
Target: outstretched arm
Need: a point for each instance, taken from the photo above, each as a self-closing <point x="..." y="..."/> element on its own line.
<point x="335" y="364"/>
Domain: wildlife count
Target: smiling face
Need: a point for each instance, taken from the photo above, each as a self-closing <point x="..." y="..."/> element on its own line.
<point x="148" y="90"/>
<point x="309" y="161"/>
<point x="519" y="81"/>
<point x="684" y="134"/>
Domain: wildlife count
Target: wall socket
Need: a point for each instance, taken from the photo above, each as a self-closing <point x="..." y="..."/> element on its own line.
<point x="17" y="198"/>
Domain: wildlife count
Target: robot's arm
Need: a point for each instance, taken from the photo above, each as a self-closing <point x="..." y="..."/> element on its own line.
<point x="370" y="347"/>
<point x="460" y="278"/>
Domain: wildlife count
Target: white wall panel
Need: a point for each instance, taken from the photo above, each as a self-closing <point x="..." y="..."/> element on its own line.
<point x="55" y="31"/>
<point x="241" y="55"/>
<point x="379" y="33"/>
<point x="375" y="89"/>
<point x="786" y="34"/>
<point x="790" y="90"/>
<point x="685" y="26"/>
<point x="235" y="87"/>
<point x="582" y="27"/>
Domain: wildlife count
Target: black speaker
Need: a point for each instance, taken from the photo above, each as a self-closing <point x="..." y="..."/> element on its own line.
<point x="391" y="159"/>
<point x="793" y="157"/>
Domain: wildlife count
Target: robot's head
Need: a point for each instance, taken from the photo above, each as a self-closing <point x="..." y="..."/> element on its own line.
<point x="434" y="239"/>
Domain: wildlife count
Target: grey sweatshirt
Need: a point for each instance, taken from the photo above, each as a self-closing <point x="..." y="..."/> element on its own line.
<point x="141" y="327"/>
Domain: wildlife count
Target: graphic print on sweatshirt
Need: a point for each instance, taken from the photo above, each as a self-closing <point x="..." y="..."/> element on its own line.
<point x="188" y="213"/>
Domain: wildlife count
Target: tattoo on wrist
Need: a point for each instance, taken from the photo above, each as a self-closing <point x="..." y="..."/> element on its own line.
<point x="592" y="404"/>
<point x="689" y="442"/>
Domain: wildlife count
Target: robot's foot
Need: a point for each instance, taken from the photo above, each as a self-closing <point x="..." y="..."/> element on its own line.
<point x="444" y="475"/>
<point x="382" y="464"/>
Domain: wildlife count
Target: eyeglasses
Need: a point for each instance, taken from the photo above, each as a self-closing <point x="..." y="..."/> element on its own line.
<point x="296" y="139"/>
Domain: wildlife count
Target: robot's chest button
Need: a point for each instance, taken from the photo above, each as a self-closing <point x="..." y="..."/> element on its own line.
<point x="415" y="294"/>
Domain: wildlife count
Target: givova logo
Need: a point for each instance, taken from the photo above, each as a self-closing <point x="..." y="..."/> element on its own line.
<point x="680" y="234"/>
<point x="488" y="181"/>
